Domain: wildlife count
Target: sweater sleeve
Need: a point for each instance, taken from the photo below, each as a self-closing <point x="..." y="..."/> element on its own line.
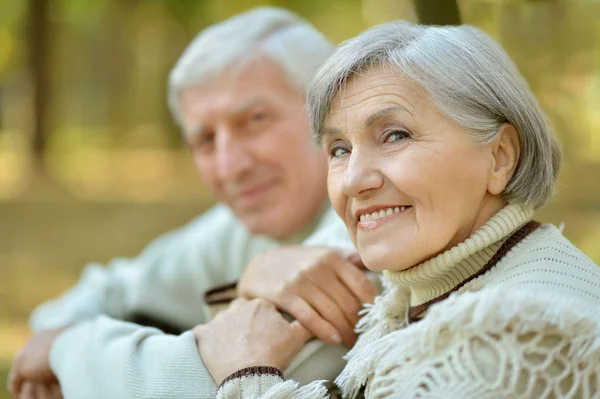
<point x="171" y="273"/>
<point x="107" y="358"/>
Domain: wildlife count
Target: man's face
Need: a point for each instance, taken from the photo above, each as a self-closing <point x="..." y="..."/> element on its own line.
<point x="250" y="140"/>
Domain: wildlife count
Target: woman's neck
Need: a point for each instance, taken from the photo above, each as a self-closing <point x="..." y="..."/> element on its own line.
<point x="441" y="274"/>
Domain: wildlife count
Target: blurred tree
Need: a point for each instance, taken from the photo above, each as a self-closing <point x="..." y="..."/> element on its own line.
<point x="550" y="42"/>
<point x="39" y="68"/>
<point x="438" y="12"/>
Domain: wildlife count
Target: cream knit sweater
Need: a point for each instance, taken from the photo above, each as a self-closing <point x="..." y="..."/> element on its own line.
<point x="527" y="327"/>
<point x="101" y="356"/>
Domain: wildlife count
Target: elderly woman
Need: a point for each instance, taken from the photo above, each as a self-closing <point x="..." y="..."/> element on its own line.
<point x="438" y="156"/>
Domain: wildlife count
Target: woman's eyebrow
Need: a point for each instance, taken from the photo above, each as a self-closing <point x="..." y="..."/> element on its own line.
<point x="384" y="112"/>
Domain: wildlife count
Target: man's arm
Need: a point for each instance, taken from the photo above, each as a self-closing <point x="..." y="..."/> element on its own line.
<point x="165" y="282"/>
<point x="107" y="358"/>
<point x="170" y="274"/>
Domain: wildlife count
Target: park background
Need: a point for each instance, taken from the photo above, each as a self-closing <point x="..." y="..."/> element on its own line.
<point x="92" y="167"/>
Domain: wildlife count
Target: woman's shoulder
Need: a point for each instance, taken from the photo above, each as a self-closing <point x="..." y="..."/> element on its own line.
<point x="546" y="260"/>
<point x="485" y="335"/>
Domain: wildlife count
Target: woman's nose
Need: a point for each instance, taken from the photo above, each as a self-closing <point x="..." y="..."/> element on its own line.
<point x="362" y="176"/>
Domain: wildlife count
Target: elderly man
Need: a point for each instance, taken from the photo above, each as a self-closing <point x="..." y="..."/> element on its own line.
<point x="237" y="94"/>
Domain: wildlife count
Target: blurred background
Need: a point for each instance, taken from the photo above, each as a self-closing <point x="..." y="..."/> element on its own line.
<point x="91" y="165"/>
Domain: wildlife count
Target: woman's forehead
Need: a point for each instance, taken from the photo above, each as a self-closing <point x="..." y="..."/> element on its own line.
<point x="366" y="94"/>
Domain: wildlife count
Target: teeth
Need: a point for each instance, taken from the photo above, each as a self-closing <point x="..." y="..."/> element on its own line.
<point x="381" y="213"/>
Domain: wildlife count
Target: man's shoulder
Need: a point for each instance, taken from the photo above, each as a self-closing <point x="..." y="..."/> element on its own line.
<point x="330" y="231"/>
<point x="216" y="225"/>
<point x="218" y="219"/>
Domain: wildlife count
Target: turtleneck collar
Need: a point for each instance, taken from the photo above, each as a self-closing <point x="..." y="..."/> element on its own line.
<point x="439" y="275"/>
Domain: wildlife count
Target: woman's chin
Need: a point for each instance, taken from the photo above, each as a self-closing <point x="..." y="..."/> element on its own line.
<point x="379" y="262"/>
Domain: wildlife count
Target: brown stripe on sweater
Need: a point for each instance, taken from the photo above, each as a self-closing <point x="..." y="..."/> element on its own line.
<point x="251" y="371"/>
<point x="221" y="294"/>
<point x="514" y="239"/>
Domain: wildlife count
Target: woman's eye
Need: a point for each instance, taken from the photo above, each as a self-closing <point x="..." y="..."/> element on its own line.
<point x="337" y="152"/>
<point x="395" y="135"/>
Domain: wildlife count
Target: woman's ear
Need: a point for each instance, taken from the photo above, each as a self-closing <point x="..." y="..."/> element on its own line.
<point x="506" y="150"/>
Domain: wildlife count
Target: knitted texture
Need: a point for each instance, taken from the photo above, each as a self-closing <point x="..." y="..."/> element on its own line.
<point x="529" y="327"/>
<point x="442" y="273"/>
<point x="268" y="386"/>
<point x="488" y="345"/>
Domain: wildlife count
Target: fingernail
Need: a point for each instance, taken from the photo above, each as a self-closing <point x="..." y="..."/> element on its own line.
<point x="336" y="338"/>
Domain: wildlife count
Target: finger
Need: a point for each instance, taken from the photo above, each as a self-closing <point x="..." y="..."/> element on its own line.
<point x="14" y="381"/>
<point x="40" y="391"/>
<point x="305" y="314"/>
<point x="27" y="390"/>
<point x="357" y="281"/>
<point x="301" y="332"/>
<point x="54" y="391"/>
<point x="353" y="257"/>
<point x="340" y="294"/>
<point x="238" y="302"/>
<point x="329" y="310"/>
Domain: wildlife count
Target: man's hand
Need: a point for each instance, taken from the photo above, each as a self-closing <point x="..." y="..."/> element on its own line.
<point x="248" y="333"/>
<point x="323" y="288"/>
<point x="30" y="375"/>
<point x="38" y="390"/>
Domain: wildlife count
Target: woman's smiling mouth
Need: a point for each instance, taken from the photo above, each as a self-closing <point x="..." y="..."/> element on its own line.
<point x="374" y="217"/>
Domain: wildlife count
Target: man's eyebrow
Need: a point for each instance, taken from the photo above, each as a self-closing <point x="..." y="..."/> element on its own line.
<point x="245" y="105"/>
<point x="384" y="112"/>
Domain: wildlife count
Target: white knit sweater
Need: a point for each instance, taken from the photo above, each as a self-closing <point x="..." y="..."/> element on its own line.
<point x="527" y="327"/>
<point x="101" y="356"/>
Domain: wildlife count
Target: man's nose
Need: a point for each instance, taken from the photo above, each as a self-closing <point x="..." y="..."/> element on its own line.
<point x="233" y="156"/>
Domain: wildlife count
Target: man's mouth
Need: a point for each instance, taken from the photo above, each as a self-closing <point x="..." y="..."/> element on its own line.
<point x="254" y="195"/>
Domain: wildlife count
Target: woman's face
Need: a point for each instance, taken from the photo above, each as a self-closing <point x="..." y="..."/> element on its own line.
<point x="408" y="182"/>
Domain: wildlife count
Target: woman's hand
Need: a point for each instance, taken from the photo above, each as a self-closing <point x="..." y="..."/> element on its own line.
<point x="323" y="288"/>
<point x="249" y="333"/>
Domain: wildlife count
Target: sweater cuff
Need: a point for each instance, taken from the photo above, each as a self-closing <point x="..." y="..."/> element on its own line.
<point x="252" y="381"/>
<point x="221" y="294"/>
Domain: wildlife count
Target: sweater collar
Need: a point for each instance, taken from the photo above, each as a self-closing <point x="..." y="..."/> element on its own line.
<point x="439" y="275"/>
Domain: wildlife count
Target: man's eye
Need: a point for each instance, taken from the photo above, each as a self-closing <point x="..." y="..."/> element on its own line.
<point x="203" y="143"/>
<point x="258" y="116"/>
<point x="395" y="135"/>
<point x="207" y="138"/>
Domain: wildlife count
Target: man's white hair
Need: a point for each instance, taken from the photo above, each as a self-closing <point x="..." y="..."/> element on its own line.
<point x="282" y="36"/>
<point x="469" y="77"/>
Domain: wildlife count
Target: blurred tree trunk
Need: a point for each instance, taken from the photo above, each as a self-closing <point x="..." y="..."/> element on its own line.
<point x="438" y="12"/>
<point x="39" y="68"/>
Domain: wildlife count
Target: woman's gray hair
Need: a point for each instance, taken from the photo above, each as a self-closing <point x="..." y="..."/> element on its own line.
<point x="282" y="36"/>
<point x="470" y="79"/>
